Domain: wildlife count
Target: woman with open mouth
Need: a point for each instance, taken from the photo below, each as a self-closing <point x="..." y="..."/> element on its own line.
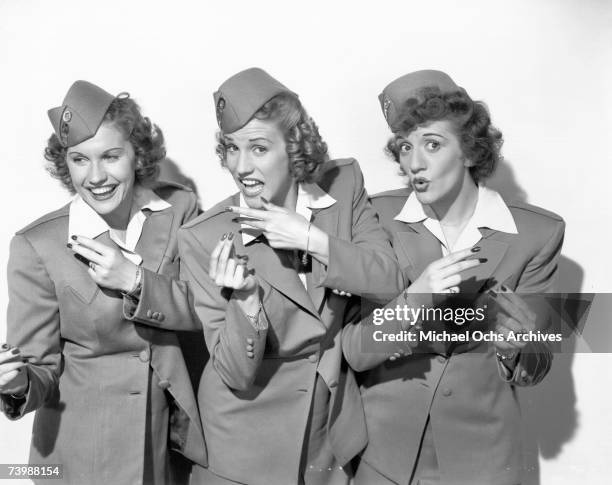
<point x="271" y="269"/>
<point x="442" y="412"/>
<point x="93" y="291"/>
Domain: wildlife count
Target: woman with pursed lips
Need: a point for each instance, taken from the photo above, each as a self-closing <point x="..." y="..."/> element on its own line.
<point x="442" y="412"/>
<point x="271" y="269"/>
<point x="93" y="293"/>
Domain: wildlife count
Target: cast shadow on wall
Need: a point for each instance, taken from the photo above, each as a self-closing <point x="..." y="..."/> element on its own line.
<point x="550" y="418"/>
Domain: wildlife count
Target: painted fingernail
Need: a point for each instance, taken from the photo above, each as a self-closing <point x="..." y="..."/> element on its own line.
<point x="475" y="249"/>
<point x="15" y="351"/>
<point x="69" y="246"/>
<point x="4" y="346"/>
<point x="504" y="288"/>
<point x="482" y="260"/>
<point x="230" y="236"/>
<point x="224" y="237"/>
<point x="263" y="199"/>
<point x="73" y="237"/>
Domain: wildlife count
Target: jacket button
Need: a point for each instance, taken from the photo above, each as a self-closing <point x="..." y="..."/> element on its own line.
<point x="163" y="384"/>
<point x="447" y="392"/>
<point x="149" y="314"/>
<point x="161" y="317"/>
<point x="313" y="358"/>
<point x="333" y="384"/>
<point x="155" y="316"/>
<point x="441" y="359"/>
<point x="144" y="355"/>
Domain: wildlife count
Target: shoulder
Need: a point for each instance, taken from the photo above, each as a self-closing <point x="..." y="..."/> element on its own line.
<point x="342" y="175"/>
<point x="50" y="222"/>
<point x="173" y="191"/>
<point x="533" y="219"/>
<point x="389" y="203"/>
<point x="216" y="215"/>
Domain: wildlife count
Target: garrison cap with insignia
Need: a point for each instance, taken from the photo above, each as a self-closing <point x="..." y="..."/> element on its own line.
<point x="81" y="113"/>
<point x="242" y="95"/>
<point x="412" y="86"/>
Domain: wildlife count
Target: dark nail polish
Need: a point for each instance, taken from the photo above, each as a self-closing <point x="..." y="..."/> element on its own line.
<point x="73" y="237"/>
<point x="69" y="246"/>
<point x="5" y="346"/>
<point x="15" y="351"/>
<point x="504" y="288"/>
<point x="482" y="260"/>
<point x="475" y="249"/>
<point x="224" y="237"/>
<point x="231" y="236"/>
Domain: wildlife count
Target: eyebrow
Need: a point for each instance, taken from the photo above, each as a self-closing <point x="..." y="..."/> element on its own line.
<point x="260" y="138"/>
<point x="434" y="134"/>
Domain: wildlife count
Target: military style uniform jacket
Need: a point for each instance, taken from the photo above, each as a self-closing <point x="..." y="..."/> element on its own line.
<point x="472" y="405"/>
<point x="255" y="410"/>
<point x="93" y="354"/>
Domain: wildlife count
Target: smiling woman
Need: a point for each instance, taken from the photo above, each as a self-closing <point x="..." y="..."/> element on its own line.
<point x="92" y="295"/>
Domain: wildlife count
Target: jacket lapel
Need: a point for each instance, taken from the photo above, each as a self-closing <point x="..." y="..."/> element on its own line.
<point x="326" y="220"/>
<point x="156" y="233"/>
<point x="416" y="248"/>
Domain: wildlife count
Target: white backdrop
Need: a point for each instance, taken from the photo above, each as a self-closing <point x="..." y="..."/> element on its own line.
<point x="543" y="67"/>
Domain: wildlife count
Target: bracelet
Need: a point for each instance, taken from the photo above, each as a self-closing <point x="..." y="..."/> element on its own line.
<point x="305" y="254"/>
<point x="137" y="286"/>
<point x="254" y="319"/>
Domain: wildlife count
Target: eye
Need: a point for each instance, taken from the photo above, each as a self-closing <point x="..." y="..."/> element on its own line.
<point x="432" y="145"/>
<point x="78" y="160"/>
<point x="231" y="148"/>
<point x="405" y="147"/>
<point x="111" y="157"/>
<point x="260" y="150"/>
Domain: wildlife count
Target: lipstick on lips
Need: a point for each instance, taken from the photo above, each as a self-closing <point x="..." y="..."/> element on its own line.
<point x="103" y="192"/>
<point x="251" y="187"/>
<point x="420" y="184"/>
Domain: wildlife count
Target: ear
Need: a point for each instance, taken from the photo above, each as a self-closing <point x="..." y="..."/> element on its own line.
<point x="139" y="163"/>
<point x="467" y="163"/>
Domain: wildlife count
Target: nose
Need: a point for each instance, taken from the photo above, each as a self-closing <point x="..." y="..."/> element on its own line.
<point x="244" y="165"/>
<point x="416" y="162"/>
<point x="97" y="174"/>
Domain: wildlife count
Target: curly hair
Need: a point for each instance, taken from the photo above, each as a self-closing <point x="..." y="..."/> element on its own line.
<point x="305" y="148"/>
<point x="146" y="138"/>
<point x="480" y="141"/>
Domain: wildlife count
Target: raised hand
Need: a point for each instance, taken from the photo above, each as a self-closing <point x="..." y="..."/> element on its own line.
<point x="13" y="378"/>
<point x="108" y="267"/>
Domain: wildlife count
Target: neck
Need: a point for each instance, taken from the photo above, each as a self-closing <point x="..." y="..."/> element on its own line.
<point x="120" y="217"/>
<point x="290" y="199"/>
<point x="458" y="206"/>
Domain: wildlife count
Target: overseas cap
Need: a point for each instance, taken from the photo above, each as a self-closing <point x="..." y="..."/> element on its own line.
<point x="241" y="96"/>
<point x="413" y="85"/>
<point x="81" y="113"/>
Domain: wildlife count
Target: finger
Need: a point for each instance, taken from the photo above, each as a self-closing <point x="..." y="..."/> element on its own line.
<point x="510" y="308"/>
<point x="458" y="267"/>
<point x="10" y="367"/>
<point x="230" y="272"/>
<point x="88" y="254"/>
<point x="451" y="282"/>
<point x="223" y="258"/>
<point x="10" y="355"/>
<point x="247" y="211"/>
<point x="256" y="223"/>
<point x="269" y="206"/>
<point x="509" y="323"/>
<point x="518" y="302"/>
<point x="453" y="258"/>
<point x="214" y="258"/>
<point x="93" y="245"/>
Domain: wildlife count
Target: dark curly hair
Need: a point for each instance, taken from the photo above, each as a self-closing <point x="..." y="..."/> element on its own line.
<point x="146" y="138"/>
<point x="480" y="141"/>
<point x="306" y="149"/>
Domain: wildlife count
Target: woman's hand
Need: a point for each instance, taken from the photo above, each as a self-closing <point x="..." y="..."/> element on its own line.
<point x="108" y="267"/>
<point x="443" y="275"/>
<point x="285" y="229"/>
<point x="13" y="377"/>
<point x="229" y="271"/>
<point x="513" y="315"/>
